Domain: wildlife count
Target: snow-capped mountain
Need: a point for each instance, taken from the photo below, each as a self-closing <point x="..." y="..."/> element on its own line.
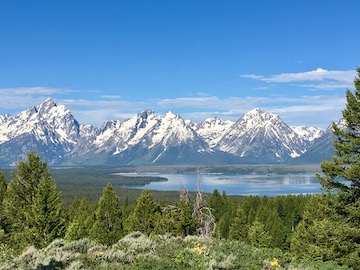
<point x="148" y="138"/>
<point x="308" y="133"/>
<point x="48" y="128"/>
<point x="263" y="138"/>
<point x="321" y="148"/>
<point x="116" y="137"/>
<point x="49" y="122"/>
<point x="212" y="130"/>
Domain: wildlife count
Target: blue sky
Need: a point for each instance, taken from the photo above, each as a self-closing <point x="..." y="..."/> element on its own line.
<point x="111" y="59"/>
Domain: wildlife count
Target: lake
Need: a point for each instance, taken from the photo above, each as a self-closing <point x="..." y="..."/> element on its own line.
<point x="269" y="185"/>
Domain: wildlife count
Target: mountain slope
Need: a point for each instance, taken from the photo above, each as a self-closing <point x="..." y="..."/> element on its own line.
<point x="212" y="130"/>
<point x="161" y="140"/>
<point x="308" y="133"/>
<point x="321" y="148"/>
<point x="261" y="137"/>
<point x="48" y="128"/>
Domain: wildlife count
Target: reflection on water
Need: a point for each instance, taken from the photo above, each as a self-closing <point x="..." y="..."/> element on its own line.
<point x="298" y="180"/>
<point x="270" y="185"/>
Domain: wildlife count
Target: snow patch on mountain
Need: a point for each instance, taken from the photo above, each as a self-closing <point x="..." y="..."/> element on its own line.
<point x="213" y="129"/>
<point x="308" y="133"/>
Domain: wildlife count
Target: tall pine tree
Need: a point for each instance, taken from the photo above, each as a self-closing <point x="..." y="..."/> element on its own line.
<point x="108" y="226"/>
<point x="345" y="164"/>
<point x="330" y="226"/>
<point x="22" y="199"/>
<point x="239" y="227"/>
<point x="46" y="220"/>
<point x="142" y="217"/>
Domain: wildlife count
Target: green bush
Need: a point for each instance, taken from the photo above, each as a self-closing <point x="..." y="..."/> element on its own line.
<point x="161" y="252"/>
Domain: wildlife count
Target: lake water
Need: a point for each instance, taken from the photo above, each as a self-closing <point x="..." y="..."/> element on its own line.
<point x="269" y="185"/>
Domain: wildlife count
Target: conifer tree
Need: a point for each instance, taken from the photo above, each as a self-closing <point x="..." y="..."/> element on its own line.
<point x="80" y="212"/>
<point x="20" y="195"/>
<point x="218" y="203"/>
<point x="329" y="231"/>
<point x="108" y="226"/>
<point x="345" y="164"/>
<point x="46" y="220"/>
<point x="330" y="226"/>
<point x="3" y="187"/>
<point x="142" y="217"/>
<point x="258" y="236"/>
<point x="276" y="228"/>
<point x="239" y="228"/>
<point x="187" y="224"/>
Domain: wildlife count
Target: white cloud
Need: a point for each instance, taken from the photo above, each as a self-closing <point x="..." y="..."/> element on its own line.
<point x="321" y="78"/>
<point x="99" y="116"/>
<point x="34" y="91"/>
<point x="20" y="97"/>
<point x="252" y="76"/>
<point x="110" y="96"/>
<point x="294" y="110"/>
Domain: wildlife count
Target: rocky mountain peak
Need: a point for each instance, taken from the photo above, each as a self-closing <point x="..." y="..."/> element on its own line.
<point x="4" y="118"/>
<point x="170" y="115"/>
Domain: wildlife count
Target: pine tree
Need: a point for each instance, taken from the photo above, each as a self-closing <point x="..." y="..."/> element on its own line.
<point x="218" y="203"/>
<point x="142" y="217"/>
<point x="345" y="164"/>
<point x="3" y="187"/>
<point x="19" y="198"/>
<point x="108" y="226"/>
<point x="276" y="229"/>
<point x="80" y="211"/>
<point x="330" y="226"/>
<point x="258" y="236"/>
<point x="46" y="220"/>
<point x="187" y="224"/>
<point x="239" y="228"/>
<point x="329" y="231"/>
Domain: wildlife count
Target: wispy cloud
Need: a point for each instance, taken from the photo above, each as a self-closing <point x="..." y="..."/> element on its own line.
<point x="20" y="97"/>
<point x="99" y="108"/>
<point x="34" y="91"/>
<point x="294" y="110"/>
<point x="110" y="96"/>
<point x="317" y="79"/>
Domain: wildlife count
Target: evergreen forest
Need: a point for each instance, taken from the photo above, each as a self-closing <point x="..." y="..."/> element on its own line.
<point x="39" y="230"/>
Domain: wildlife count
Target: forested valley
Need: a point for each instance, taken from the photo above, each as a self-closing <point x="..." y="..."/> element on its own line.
<point x="199" y="231"/>
<point x="39" y="230"/>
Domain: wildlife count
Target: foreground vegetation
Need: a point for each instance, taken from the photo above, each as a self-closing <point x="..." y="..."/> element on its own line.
<point x="139" y="251"/>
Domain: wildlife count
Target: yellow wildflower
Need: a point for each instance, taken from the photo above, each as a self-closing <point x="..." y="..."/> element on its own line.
<point x="274" y="263"/>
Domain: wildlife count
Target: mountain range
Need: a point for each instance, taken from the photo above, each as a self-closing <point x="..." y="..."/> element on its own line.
<point x="148" y="138"/>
